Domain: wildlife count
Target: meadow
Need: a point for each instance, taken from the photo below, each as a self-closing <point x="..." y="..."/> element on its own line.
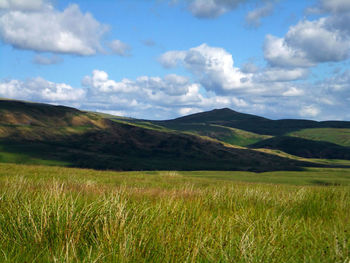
<point x="55" y="214"/>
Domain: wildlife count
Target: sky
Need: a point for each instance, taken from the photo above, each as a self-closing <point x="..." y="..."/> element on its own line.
<point x="163" y="59"/>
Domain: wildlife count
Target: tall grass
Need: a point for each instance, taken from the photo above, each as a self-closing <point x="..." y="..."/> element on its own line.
<point x="83" y="219"/>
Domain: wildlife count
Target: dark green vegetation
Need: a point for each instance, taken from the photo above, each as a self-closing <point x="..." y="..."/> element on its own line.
<point x="62" y="135"/>
<point x="214" y="140"/>
<point x="55" y="214"/>
<point x="327" y="139"/>
<point x="305" y="148"/>
<point x="229" y="118"/>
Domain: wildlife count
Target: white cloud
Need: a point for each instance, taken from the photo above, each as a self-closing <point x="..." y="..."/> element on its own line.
<point x="214" y="69"/>
<point x="174" y="95"/>
<point x="47" y="60"/>
<point x="143" y="87"/>
<point x="170" y="59"/>
<point x="308" y="43"/>
<point x="279" y="54"/>
<point x="319" y="40"/>
<point x="40" y="89"/>
<point x="338" y="83"/>
<point x="250" y="67"/>
<point x="330" y="6"/>
<point x="187" y="111"/>
<point x="212" y="8"/>
<point x="309" y="111"/>
<point x="274" y="74"/>
<point x="152" y="97"/>
<point x="28" y="5"/>
<point x="253" y="18"/>
<point x="120" y="48"/>
<point x="213" y="66"/>
<point x="49" y="30"/>
<point x="100" y="82"/>
<point x="336" y="5"/>
<point x="293" y="92"/>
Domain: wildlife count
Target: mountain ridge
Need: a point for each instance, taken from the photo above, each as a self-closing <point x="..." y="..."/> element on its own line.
<point x="85" y="139"/>
<point x="253" y="123"/>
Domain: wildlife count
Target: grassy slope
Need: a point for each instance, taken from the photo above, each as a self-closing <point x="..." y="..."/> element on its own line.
<point x="252" y="123"/>
<point x="222" y="133"/>
<point x="333" y="135"/>
<point x="305" y="148"/>
<point x="68" y="136"/>
<point x="29" y="132"/>
<point x="215" y="124"/>
<point x="330" y="162"/>
<point x="71" y="215"/>
<point x="233" y="128"/>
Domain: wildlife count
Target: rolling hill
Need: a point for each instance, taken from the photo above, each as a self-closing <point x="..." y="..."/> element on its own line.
<point x="220" y="139"/>
<point x="42" y="133"/>
<point x="333" y="135"/>
<point x="305" y="148"/>
<point x="303" y="138"/>
<point x="263" y="126"/>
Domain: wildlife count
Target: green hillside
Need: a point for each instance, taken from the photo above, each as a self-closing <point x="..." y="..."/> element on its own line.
<point x="333" y="135"/>
<point x="57" y="135"/>
<point x="71" y="137"/>
<point x="222" y="133"/>
<point x="305" y="148"/>
<point x="263" y="126"/>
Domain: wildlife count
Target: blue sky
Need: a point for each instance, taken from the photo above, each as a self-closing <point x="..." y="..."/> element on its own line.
<point x="166" y="58"/>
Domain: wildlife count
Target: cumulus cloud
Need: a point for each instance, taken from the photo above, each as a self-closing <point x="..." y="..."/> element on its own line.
<point x="261" y="90"/>
<point x="120" y="48"/>
<point x="309" y="111"/>
<point x="152" y="97"/>
<point x="336" y="5"/>
<point x="170" y="59"/>
<point x="46" y="60"/>
<point x="213" y="67"/>
<point x="338" y="83"/>
<point x="330" y="6"/>
<point x="250" y="67"/>
<point x="173" y="95"/>
<point x="210" y="9"/>
<point x="293" y="92"/>
<point x="273" y="74"/>
<point x="253" y="18"/>
<point x="173" y="85"/>
<point x="28" y="5"/>
<point x="309" y="43"/>
<point x="49" y="30"/>
<point x="39" y="89"/>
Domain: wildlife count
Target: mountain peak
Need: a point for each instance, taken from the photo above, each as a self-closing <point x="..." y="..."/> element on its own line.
<point x="223" y="114"/>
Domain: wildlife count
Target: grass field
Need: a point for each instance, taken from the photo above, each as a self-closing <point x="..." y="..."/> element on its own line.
<point x="333" y="135"/>
<point x="55" y="214"/>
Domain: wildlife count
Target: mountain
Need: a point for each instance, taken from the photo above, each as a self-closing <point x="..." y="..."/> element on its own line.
<point x="303" y="138"/>
<point x="41" y="133"/>
<point x="217" y="116"/>
<point x="221" y="139"/>
<point x="259" y="125"/>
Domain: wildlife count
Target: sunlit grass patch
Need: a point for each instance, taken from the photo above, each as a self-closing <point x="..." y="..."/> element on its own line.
<point x="53" y="214"/>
